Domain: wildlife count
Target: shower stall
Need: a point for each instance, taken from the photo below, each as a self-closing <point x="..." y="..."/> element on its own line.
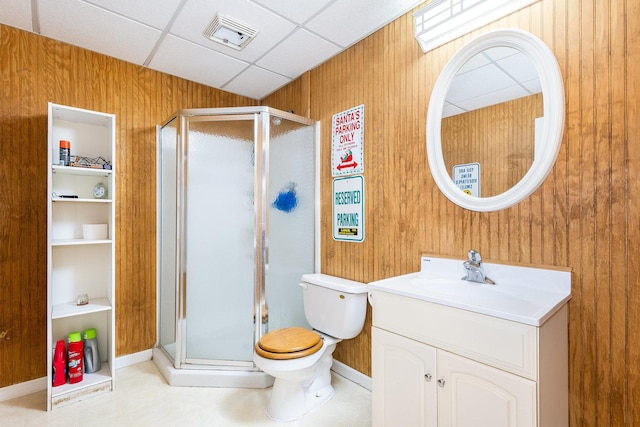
<point x="237" y="227"/>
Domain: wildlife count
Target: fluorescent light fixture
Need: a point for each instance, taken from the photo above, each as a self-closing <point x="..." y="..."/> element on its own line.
<point x="441" y="21"/>
<point x="229" y="32"/>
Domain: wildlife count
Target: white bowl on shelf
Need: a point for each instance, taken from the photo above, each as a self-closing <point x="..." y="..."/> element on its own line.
<point x="95" y="231"/>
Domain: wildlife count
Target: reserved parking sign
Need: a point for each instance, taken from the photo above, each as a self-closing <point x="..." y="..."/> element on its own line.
<point x="348" y="208"/>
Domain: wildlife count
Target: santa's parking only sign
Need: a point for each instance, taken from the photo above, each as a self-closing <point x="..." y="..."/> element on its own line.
<point x="347" y="140"/>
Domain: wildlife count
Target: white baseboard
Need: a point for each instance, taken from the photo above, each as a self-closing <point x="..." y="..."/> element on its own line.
<point x="133" y="359"/>
<point x="351" y="374"/>
<point x="22" y="389"/>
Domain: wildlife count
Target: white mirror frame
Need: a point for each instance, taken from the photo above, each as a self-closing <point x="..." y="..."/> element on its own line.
<point x="552" y="128"/>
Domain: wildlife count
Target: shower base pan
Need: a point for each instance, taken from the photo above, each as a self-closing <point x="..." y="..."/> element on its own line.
<point x="208" y="377"/>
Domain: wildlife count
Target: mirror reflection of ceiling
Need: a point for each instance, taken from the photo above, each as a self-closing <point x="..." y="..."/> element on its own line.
<point x="496" y="75"/>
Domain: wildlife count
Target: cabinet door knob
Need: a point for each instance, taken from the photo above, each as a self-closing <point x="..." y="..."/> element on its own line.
<point x="441" y="382"/>
<point x="428" y="377"/>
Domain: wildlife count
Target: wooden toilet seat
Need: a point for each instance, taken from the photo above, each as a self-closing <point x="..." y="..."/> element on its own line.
<point x="289" y="343"/>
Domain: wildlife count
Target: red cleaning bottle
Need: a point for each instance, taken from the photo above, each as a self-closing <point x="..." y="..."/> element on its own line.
<point x="60" y="364"/>
<point x="74" y="359"/>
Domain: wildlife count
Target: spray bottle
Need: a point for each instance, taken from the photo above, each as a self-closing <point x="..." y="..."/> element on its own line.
<point x="60" y="364"/>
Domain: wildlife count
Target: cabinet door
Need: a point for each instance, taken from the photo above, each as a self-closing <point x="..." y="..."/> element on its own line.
<point x="403" y="381"/>
<point x="471" y="394"/>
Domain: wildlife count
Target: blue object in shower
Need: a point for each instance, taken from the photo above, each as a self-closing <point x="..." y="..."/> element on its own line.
<point x="287" y="199"/>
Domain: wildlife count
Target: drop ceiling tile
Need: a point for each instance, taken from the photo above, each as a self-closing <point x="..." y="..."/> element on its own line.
<point x="533" y="86"/>
<point x="135" y="31"/>
<point x="156" y="13"/>
<point x="300" y="52"/>
<point x="193" y="62"/>
<point x="492" y="98"/>
<point x="519" y="67"/>
<point x="298" y="11"/>
<point x="451" y="110"/>
<point x="345" y="22"/>
<point x="499" y="52"/>
<point x="92" y="28"/>
<point x="477" y="82"/>
<point x="16" y="13"/>
<point x="196" y="15"/>
<point x="256" y="83"/>
<point x="476" y="61"/>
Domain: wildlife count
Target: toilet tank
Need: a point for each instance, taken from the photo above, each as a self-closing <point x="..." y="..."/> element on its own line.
<point x="333" y="305"/>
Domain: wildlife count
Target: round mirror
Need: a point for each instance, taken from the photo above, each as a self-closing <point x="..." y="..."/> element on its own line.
<point x="495" y="120"/>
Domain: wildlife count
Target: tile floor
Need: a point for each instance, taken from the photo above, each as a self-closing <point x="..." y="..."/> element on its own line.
<point x="142" y="398"/>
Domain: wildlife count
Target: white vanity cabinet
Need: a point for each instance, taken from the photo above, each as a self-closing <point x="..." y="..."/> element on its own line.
<point x="436" y="365"/>
<point x="81" y="243"/>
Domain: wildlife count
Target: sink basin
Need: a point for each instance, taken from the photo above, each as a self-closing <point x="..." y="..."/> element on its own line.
<point x="522" y="294"/>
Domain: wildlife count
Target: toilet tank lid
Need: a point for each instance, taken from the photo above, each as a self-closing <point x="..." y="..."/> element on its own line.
<point x="337" y="283"/>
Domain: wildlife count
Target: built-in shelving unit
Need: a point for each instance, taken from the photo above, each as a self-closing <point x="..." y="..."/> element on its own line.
<point x="77" y="265"/>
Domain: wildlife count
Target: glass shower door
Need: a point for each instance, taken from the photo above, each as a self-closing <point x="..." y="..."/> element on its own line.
<point x="218" y="259"/>
<point x="291" y="204"/>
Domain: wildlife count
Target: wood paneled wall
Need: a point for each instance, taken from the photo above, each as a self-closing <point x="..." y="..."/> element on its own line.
<point x="585" y="216"/>
<point x="35" y="70"/>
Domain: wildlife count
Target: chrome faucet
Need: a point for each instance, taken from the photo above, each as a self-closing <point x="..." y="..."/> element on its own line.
<point x="474" y="269"/>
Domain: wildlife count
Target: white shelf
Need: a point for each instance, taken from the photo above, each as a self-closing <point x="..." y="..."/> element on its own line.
<point x="74" y="242"/>
<point x="70" y="309"/>
<point x="74" y="170"/>
<point x="95" y="383"/>
<point x="71" y="200"/>
<point x="87" y="381"/>
<point x="78" y="115"/>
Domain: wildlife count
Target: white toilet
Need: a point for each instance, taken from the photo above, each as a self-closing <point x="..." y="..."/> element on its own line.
<point x="300" y="359"/>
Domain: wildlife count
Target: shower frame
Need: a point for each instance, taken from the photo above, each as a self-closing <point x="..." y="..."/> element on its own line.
<point x="177" y="368"/>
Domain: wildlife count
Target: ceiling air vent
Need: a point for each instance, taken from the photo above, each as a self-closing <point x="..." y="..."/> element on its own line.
<point x="229" y="32"/>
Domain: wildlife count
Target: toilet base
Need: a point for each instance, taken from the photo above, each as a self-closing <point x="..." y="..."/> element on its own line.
<point x="292" y="398"/>
<point x="289" y="401"/>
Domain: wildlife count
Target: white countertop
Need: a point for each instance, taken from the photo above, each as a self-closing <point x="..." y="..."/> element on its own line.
<point x="522" y="294"/>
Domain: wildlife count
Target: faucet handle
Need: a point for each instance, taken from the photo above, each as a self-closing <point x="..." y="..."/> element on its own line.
<point x="474" y="256"/>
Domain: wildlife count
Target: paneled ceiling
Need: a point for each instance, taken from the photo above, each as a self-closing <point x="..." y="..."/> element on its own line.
<point x="293" y="36"/>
